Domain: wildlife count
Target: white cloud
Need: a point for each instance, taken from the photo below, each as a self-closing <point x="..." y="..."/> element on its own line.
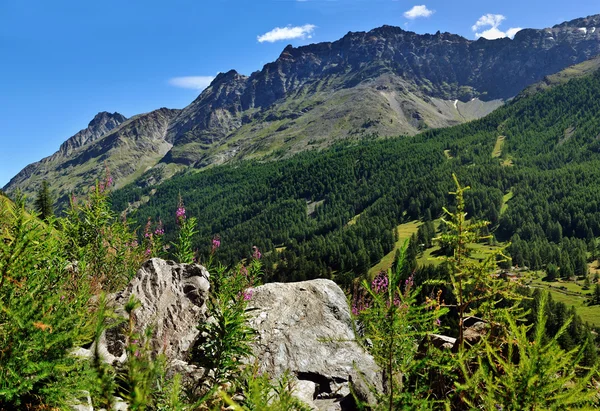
<point x="192" y="82"/>
<point x="418" y="11"/>
<point x="288" y="33"/>
<point x="493" y="21"/>
<point x="512" y="31"/>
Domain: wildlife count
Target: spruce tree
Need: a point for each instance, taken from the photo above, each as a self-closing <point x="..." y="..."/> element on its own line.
<point x="551" y="273"/>
<point x="595" y="300"/>
<point x="44" y="203"/>
<point x="586" y="283"/>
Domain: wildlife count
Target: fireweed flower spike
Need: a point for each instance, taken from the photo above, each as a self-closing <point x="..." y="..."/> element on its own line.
<point x="216" y="243"/>
<point x="256" y="254"/>
<point x="108" y="180"/>
<point x="248" y="294"/>
<point x="159" y="229"/>
<point x="148" y="229"/>
<point x="180" y="213"/>
<point x="380" y="283"/>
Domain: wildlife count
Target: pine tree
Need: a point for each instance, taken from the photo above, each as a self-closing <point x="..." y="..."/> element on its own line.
<point x="44" y="203"/>
<point x="596" y="295"/>
<point x="551" y="273"/>
<point x="586" y="283"/>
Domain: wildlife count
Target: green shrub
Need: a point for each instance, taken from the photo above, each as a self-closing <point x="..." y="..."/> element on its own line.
<point x="43" y="313"/>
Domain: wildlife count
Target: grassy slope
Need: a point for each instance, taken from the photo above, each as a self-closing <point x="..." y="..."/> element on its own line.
<point x="567" y="292"/>
<point x="498" y="147"/>
<point x="405" y="231"/>
<point x="571" y="294"/>
<point x="323" y="112"/>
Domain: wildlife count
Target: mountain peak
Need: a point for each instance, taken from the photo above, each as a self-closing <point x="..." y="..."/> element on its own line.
<point x="223" y="77"/>
<point x="102" y="123"/>
<point x="582" y="22"/>
<point x="105" y="117"/>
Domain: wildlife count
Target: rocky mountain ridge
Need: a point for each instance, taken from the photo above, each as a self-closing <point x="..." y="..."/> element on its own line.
<point x="440" y="66"/>
<point x="385" y="82"/>
<point x="127" y="147"/>
<point x="101" y="124"/>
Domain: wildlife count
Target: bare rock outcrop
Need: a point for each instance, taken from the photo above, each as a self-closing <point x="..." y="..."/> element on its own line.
<point x="306" y="328"/>
<point x="303" y="328"/>
<point x="172" y="302"/>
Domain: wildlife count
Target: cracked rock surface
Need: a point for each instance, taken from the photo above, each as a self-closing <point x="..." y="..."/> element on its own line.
<point x="306" y="328"/>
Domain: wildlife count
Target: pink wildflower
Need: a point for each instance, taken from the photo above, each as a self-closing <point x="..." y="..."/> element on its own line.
<point x="380" y="283"/>
<point x="148" y="229"/>
<point x="108" y="180"/>
<point x="256" y="254"/>
<point x="248" y="294"/>
<point x="159" y="230"/>
<point x="216" y="243"/>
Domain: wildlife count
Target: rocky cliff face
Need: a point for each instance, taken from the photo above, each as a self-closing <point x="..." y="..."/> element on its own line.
<point x="390" y="81"/>
<point x="126" y="147"/>
<point x="101" y="124"/>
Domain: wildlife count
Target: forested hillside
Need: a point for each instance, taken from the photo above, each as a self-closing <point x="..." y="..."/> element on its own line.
<point x="330" y="212"/>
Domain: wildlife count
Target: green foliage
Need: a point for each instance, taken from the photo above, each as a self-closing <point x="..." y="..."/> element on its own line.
<point x="393" y="325"/>
<point x="103" y="382"/>
<point x="226" y="337"/>
<point x="478" y="290"/>
<point x="509" y="368"/>
<point x="551" y="273"/>
<point x="184" y="253"/>
<point x="595" y="299"/>
<point x="44" y="204"/>
<point x="97" y="238"/>
<point x="529" y="374"/>
<point x="43" y="310"/>
<point x="263" y="394"/>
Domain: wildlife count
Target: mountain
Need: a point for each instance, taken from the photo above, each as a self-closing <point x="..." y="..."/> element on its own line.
<point x="533" y="166"/>
<point x="562" y="77"/>
<point x="101" y="124"/>
<point x="385" y="82"/>
<point x="128" y="147"/>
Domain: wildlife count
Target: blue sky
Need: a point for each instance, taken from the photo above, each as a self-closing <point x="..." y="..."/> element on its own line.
<point x="61" y="62"/>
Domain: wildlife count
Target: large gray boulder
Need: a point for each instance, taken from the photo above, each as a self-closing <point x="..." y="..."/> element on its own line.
<point x="306" y="328"/>
<point x="172" y="303"/>
<point x="302" y="328"/>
